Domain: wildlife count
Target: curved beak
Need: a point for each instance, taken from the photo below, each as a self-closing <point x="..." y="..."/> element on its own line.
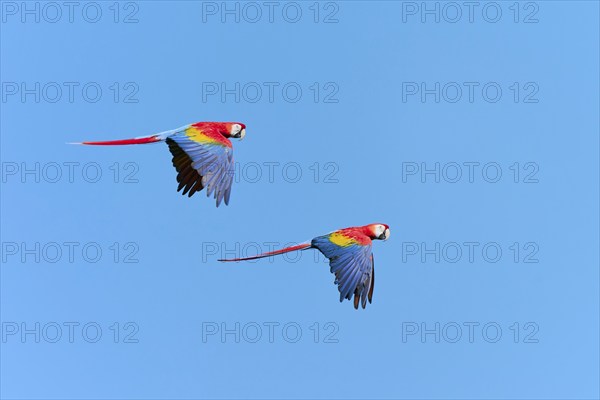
<point x="241" y="134"/>
<point x="385" y="235"/>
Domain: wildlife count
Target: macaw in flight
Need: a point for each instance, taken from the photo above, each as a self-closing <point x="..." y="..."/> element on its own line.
<point x="350" y="258"/>
<point x="202" y="155"/>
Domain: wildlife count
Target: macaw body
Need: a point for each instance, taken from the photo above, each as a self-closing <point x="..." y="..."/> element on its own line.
<point x="350" y="259"/>
<point x="202" y="155"/>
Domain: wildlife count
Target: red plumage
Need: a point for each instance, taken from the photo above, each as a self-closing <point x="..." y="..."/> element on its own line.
<point x="302" y="246"/>
<point x="144" y="140"/>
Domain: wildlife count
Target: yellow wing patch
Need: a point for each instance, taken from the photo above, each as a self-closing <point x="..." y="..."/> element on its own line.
<point x="341" y="240"/>
<point x="198" y="136"/>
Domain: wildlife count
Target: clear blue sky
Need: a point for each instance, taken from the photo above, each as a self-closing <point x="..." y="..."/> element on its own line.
<point x="459" y="310"/>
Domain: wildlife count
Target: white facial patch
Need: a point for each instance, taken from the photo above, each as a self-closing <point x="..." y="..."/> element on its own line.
<point x="379" y="229"/>
<point x="235" y="129"/>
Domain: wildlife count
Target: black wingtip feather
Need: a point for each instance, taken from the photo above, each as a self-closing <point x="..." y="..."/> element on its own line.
<point x="189" y="179"/>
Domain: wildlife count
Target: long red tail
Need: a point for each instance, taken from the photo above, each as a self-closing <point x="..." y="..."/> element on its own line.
<point x="302" y="246"/>
<point x="142" y="140"/>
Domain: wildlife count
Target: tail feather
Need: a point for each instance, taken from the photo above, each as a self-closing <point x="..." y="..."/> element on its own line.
<point x="302" y="246"/>
<point x="140" y="140"/>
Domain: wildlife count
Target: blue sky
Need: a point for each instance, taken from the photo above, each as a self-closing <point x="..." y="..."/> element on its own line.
<point x="472" y="132"/>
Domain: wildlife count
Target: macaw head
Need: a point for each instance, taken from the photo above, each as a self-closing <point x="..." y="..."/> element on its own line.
<point x="234" y="130"/>
<point x="378" y="231"/>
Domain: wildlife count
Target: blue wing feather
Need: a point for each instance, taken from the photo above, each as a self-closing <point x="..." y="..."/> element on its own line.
<point x="213" y="164"/>
<point x="352" y="266"/>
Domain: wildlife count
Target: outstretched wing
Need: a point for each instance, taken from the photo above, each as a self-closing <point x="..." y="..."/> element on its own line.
<point x="351" y="261"/>
<point x="203" y="158"/>
<point x="372" y="280"/>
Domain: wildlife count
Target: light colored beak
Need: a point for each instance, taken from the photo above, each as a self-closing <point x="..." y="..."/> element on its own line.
<point x="242" y="134"/>
<point x="387" y="234"/>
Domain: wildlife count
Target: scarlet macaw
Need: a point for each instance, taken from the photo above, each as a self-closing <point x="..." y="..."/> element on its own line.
<point x="202" y="155"/>
<point x="350" y="258"/>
